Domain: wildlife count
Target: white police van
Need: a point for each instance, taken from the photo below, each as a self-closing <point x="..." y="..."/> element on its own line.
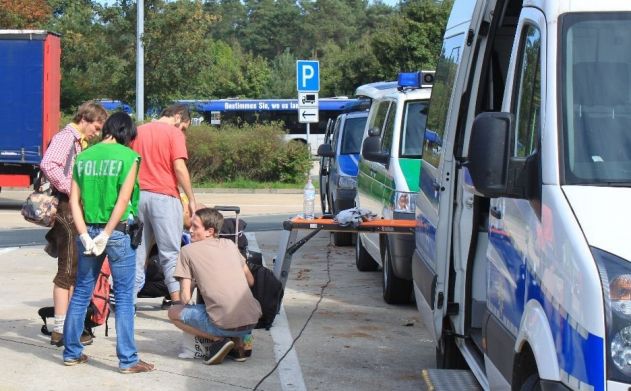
<point x="522" y="265"/>
<point x="388" y="179"/>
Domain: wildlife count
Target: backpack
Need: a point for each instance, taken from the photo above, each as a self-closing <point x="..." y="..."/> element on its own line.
<point x="99" y="309"/>
<point x="269" y="293"/>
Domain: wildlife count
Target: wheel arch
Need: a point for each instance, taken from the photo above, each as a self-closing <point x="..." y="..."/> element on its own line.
<point x="534" y="346"/>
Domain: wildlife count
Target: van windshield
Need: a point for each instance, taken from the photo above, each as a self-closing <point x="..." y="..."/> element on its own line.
<point x="595" y="89"/>
<point x="352" y="137"/>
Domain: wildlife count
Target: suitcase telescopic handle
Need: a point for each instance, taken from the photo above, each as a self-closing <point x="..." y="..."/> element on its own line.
<point x="234" y="209"/>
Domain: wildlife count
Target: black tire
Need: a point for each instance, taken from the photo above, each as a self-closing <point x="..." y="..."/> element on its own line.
<point x="532" y="383"/>
<point x="395" y="290"/>
<point x="342" y="238"/>
<point x="363" y="260"/>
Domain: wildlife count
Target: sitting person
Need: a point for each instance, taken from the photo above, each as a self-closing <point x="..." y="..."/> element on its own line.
<point x="223" y="280"/>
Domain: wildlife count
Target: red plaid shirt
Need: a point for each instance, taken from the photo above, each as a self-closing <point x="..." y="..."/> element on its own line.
<point x="54" y="161"/>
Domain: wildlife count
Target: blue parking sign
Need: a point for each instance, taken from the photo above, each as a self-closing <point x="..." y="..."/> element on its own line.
<point x="308" y="75"/>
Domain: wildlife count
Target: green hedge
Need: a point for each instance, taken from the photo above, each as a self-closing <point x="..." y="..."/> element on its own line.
<point x="255" y="152"/>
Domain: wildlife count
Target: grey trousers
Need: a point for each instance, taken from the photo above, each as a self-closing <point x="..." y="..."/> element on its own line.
<point x="162" y="218"/>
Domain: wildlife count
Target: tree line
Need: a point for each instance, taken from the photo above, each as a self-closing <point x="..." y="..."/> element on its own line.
<point x="232" y="48"/>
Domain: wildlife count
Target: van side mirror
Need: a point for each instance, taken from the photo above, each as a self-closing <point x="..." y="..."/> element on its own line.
<point x="371" y="150"/>
<point x="374" y="131"/>
<point x="325" y="150"/>
<point x="494" y="170"/>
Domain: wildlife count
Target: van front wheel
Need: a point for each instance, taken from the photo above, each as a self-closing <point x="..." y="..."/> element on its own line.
<point x="395" y="290"/>
<point x="363" y="260"/>
<point x="533" y="383"/>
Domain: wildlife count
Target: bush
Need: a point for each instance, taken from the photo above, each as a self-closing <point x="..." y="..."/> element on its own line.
<point x="256" y="152"/>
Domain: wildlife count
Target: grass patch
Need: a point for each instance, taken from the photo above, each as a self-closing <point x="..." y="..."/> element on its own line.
<point x="250" y="184"/>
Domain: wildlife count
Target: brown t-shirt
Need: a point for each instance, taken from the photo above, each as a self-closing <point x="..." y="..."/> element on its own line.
<point x="216" y="266"/>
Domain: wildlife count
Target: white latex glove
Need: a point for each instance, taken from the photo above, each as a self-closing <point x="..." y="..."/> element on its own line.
<point x="100" y="242"/>
<point x="87" y="242"/>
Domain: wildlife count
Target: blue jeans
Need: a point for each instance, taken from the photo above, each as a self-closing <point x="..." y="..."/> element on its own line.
<point x="195" y="315"/>
<point x="122" y="259"/>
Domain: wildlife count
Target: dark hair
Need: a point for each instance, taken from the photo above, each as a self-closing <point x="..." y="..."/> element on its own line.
<point x="173" y="110"/>
<point x="211" y="218"/>
<point x="121" y="127"/>
<point x="90" y="111"/>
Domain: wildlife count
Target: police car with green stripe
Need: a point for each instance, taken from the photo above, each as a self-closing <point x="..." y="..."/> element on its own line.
<point x="388" y="178"/>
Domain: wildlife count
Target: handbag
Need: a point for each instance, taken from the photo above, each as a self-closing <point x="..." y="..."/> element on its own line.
<point x="41" y="205"/>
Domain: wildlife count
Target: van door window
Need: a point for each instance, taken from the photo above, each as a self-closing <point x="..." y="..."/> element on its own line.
<point x="441" y="92"/>
<point x="414" y="118"/>
<point x="388" y="129"/>
<point x="379" y="118"/>
<point x="528" y="95"/>
<point x="336" y="132"/>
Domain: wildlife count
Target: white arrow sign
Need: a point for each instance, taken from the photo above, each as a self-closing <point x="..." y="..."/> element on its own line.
<point x="308" y="116"/>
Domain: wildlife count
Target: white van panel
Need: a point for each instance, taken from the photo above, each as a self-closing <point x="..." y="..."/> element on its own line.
<point x="604" y="215"/>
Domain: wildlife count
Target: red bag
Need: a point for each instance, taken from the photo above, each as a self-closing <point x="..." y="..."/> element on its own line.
<point x="99" y="309"/>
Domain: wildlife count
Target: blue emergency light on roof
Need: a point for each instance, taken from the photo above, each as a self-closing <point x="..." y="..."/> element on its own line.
<point x="409" y="80"/>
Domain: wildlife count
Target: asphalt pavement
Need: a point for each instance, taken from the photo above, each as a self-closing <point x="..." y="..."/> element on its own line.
<point x="334" y="331"/>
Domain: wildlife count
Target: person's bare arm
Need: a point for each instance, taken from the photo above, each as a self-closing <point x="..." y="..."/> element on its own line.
<point x="185" y="290"/>
<point x="248" y="275"/>
<point x="123" y="200"/>
<point x="75" y="208"/>
<point x="184" y="180"/>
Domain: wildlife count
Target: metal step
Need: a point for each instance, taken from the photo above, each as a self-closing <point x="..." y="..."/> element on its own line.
<point x="449" y="380"/>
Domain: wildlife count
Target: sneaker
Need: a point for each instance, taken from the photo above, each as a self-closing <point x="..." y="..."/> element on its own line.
<point x="57" y="339"/>
<point x="76" y="361"/>
<point x="218" y="351"/>
<point x="242" y="348"/>
<point x="239" y="354"/>
<point x="140" y="366"/>
<point x="166" y="304"/>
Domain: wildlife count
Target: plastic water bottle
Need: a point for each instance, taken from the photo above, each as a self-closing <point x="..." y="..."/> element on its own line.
<point x="309" y="200"/>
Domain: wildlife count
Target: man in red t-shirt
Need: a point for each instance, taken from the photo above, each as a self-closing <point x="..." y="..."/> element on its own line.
<point x="162" y="147"/>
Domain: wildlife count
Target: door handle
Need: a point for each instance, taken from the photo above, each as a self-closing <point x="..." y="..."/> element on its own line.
<point x="436" y="185"/>
<point x="496" y="212"/>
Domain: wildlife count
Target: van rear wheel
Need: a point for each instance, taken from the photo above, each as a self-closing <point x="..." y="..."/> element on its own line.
<point x="395" y="290"/>
<point x="363" y="260"/>
<point x="342" y="238"/>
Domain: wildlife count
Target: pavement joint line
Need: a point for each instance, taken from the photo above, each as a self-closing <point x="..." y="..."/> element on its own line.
<point x="290" y="371"/>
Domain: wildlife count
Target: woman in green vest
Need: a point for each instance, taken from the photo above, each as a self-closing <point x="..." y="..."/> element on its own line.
<point x="104" y="197"/>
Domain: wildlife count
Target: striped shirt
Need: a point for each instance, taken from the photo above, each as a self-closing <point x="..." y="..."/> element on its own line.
<point x="54" y="162"/>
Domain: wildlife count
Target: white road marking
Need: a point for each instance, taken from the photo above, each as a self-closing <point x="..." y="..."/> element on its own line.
<point x="7" y="250"/>
<point x="289" y="369"/>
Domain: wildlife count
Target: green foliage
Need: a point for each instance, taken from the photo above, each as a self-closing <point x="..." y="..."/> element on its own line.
<point x="205" y="49"/>
<point x="257" y="152"/>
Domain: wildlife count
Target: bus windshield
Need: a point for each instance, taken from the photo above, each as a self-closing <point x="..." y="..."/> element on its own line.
<point x="596" y="103"/>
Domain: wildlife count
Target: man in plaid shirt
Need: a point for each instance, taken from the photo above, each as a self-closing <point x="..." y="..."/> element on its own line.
<point x="57" y="165"/>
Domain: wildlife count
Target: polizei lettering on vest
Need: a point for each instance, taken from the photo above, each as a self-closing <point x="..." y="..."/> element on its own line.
<point x="100" y="167"/>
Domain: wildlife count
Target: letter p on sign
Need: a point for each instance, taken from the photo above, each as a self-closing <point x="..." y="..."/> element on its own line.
<point x="308" y="76"/>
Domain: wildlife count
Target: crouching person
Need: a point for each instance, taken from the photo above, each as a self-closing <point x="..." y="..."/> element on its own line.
<point x="229" y="312"/>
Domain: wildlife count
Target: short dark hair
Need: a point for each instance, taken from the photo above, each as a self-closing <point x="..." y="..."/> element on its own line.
<point x="211" y="218"/>
<point x="180" y="109"/>
<point x="121" y="127"/>
<point x="90" y="111"/>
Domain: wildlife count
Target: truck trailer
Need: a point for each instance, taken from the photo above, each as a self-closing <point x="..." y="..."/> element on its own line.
<point x="30" y="79"/>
